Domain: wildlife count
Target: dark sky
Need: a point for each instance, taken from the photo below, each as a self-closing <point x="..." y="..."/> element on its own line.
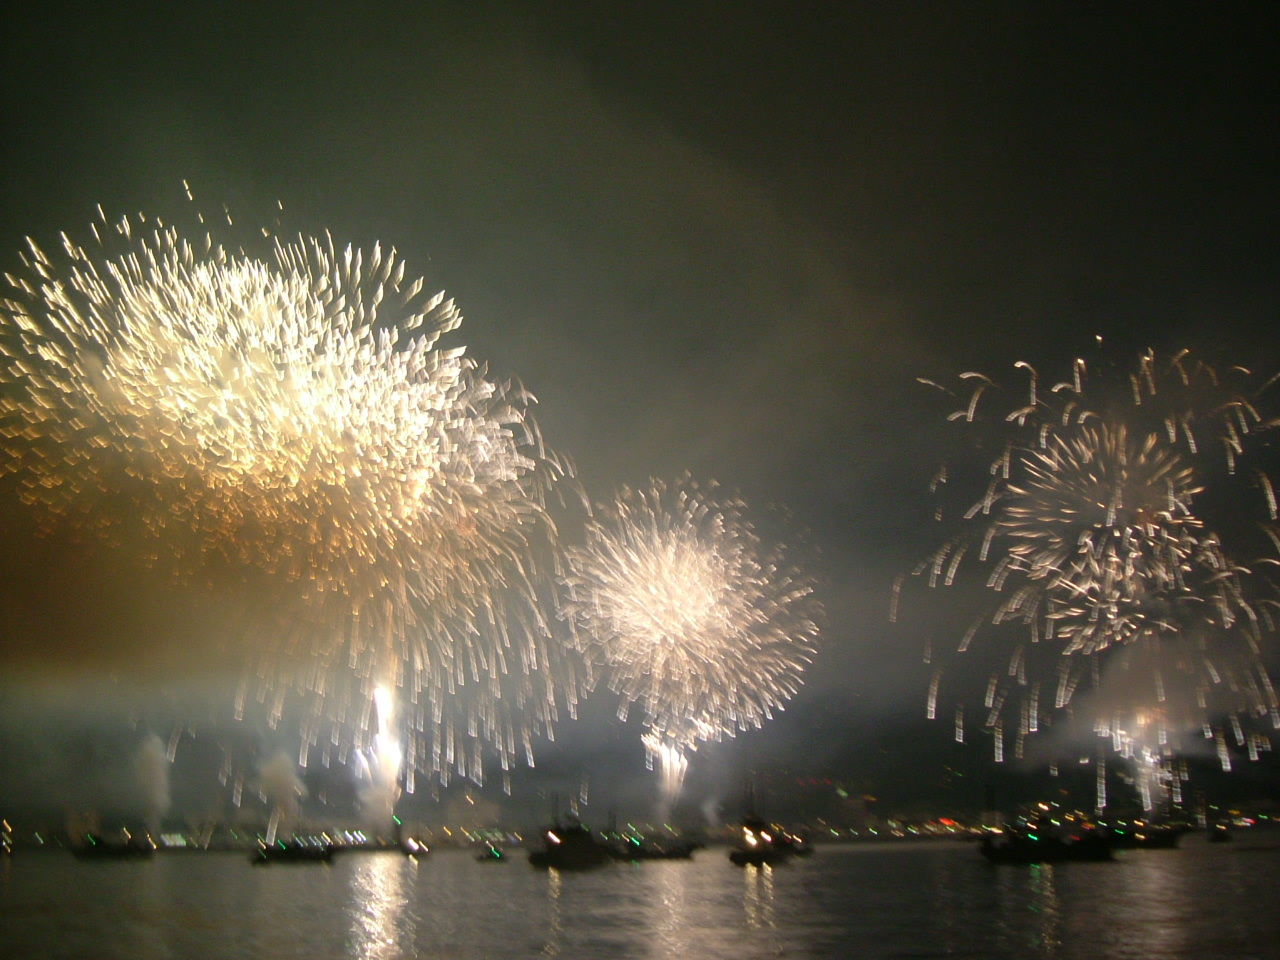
<point x="723" y="237"/>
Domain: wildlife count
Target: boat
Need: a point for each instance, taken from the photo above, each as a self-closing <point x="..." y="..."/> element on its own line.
<point x="634" y="848"/>
<point x="413" y="848"/>
<point x="1220" y="833"/>
<point x="491" y="854"/>
<point x="763" y="843"/>
<point x="1148" y="836"/>
<point x="799" y="842"/>
<point x="1030" y="846"/>
<point x="569" y="847"/>
<point x="95" y="847"/>
<point x="291" y="853"/>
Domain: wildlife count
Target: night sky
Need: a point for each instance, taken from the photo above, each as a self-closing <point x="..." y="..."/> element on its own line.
<point x="709" y="236"/>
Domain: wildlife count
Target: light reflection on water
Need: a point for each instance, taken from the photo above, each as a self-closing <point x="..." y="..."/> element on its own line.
<point x="668" y="908"/>
<point x="379" y="910"/>
<point x="552" y="947"/>
<point x="1030" y="915"/>
<point x="892" y="901"/>
<point x="757" y="896"/>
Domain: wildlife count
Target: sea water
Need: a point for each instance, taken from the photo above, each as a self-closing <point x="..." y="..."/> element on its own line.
<point x="893" y="900"/>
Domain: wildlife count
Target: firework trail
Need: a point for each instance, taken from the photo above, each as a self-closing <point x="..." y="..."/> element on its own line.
<point x="288" y="427"/>
<point x="1103" y="529"/>
<point x="692" y="616"/>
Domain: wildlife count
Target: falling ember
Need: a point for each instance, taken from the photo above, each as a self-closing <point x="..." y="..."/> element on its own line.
<point x="1109" y="531"/>
<point x="694" y="619"/>
<point x="288" y="427"/>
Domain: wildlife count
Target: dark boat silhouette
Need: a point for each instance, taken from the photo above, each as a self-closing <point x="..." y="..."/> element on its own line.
<point x="95" y="847"/>
<point x="635" y="848"/>
<point x="1220" y="833"/>
<point x="569" y="846"/>
<point x="1148" y="836"/>
<point x="762" y="842"/>
<point x="491" y="854"/>
<point x="1029" y="846"/>
<point x="291" y="853"/>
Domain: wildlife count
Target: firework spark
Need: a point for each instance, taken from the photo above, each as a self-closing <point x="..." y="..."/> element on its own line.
<point x="694" y="618"/>
<point x="1094" y="528"/>
<point x="293" y="421"/>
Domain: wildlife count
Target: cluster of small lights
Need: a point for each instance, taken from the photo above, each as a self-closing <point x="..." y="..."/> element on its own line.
<point x="693" y="618"/>
<point x="1090" y="528"/>
<point x="292" y="420"/>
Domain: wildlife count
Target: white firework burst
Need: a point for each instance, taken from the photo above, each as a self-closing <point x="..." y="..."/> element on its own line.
<point x="695" y="620"/>
<point x="292" y="419"/>
<point x="1097" y="539"/>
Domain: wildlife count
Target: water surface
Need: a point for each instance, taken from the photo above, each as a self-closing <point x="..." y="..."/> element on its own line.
<point x="907" y="900"/>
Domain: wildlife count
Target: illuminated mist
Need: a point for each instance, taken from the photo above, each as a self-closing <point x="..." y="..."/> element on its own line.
<point x="282" y="788"/>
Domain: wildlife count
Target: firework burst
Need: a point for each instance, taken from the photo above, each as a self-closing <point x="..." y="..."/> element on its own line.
<point x="291" y="424"/>
<point x="1103" y="530"/>
<point x="695" y="620"/>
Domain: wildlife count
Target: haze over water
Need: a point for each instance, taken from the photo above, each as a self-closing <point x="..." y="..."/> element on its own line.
<point x="918" y="900"/>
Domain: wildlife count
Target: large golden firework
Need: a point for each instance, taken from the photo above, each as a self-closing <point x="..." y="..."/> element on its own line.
<point x="292" y="420"/>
